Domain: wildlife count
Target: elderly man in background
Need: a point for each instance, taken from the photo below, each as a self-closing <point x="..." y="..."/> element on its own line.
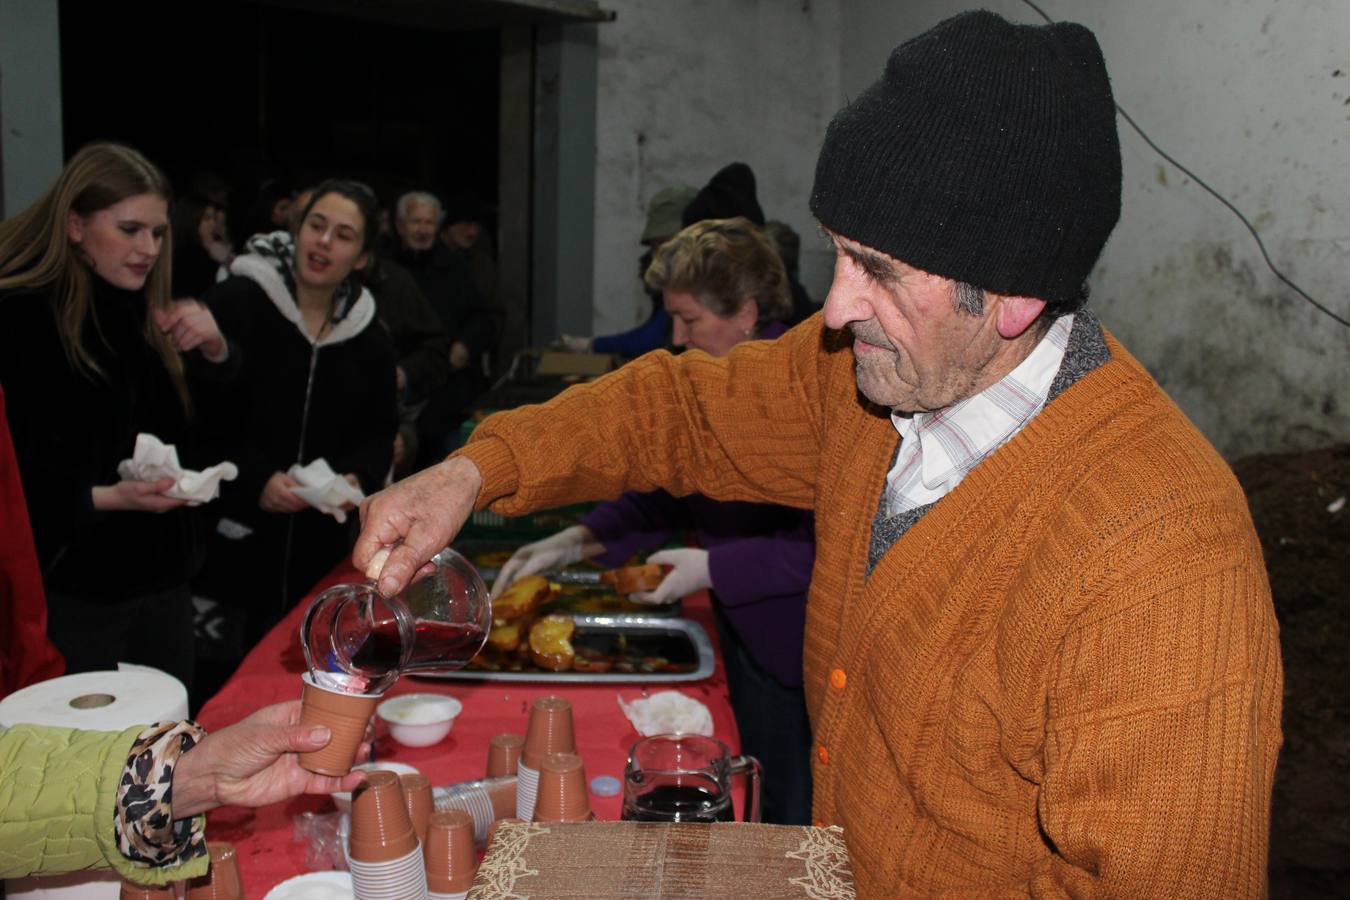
<point x="471" y="322"/>
<point x="1041" y="656"/>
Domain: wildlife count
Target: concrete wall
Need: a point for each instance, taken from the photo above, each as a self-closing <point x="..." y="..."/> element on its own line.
<point x="684" y="89"/>
<point x="1254" y="96"/>
<point x="30" y="102"/>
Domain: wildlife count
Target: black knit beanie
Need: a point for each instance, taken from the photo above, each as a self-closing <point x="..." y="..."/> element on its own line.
<point x="729" y="194"/>
<point x="986" y="153"/>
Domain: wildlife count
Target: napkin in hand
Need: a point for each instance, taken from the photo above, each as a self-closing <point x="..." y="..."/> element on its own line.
<point x="324" y="489"/>
<point x="152" y="460"/>
<point x="668" y="711"/>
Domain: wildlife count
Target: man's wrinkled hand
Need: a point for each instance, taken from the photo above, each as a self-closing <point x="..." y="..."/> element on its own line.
<point x="406" y="524"/>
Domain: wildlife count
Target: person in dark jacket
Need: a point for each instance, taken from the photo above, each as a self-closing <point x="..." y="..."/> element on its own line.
<point x="317" y="381"/>
<point x="200" y="245"/>
<point x="723" y="283"/>
<point x="448" y="282"/>
<point x="90" y="346"/>
<point x="422" y="348"/>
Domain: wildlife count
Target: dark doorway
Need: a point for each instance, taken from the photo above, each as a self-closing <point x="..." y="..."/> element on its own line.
<point x="252" y="93"/>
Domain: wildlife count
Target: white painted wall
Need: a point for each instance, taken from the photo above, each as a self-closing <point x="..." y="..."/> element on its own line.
<point x="686" y="87"/>
<point x="1254" y="96"/>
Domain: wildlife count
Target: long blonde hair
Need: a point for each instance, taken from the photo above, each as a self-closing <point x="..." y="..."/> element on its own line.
<point x="36" y="253"/>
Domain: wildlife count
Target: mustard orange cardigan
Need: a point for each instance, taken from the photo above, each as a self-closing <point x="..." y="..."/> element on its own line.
<point x="1065" y="679"/>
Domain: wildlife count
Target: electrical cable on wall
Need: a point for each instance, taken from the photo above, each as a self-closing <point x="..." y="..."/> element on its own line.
<point x="1220" y="197"/>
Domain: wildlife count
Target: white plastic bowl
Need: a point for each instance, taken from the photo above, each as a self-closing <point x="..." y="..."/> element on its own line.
<point x="419" y="720"/>
<point x="343" y="799"/>
<point x="313" y="884"/>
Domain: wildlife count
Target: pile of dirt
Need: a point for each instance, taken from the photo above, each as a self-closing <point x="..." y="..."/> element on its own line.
<point x="1301" y="505"/>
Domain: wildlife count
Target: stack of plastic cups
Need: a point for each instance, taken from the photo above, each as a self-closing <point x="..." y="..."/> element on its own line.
<point x="450" y="856"/>
<point x="346" y="716"/>
<point x="418" y="800"/>
<point x="384" y="856"/>
<point x="562" y="790"/>
<point x="222" y="881"/>
<point x="486" y="800"/>
<point x="132" y="891"/>
<point x="504" y="754"/>
<point x="549" y="731"/>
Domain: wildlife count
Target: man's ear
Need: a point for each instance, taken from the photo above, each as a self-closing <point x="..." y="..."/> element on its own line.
<point x="74" y="226"/>
<point x="1015" y="315"/>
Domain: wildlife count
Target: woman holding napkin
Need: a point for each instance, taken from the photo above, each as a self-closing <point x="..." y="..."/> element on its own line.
<point x="314" y="410"/>
<point x="92" y="353"/>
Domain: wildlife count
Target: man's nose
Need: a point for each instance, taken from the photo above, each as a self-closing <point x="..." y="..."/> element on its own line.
<point x="844" y="303"/>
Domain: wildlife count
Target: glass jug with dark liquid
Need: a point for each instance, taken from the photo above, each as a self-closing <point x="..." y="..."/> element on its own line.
<point x="362" y="640"/>
<point x="687" y="778"/>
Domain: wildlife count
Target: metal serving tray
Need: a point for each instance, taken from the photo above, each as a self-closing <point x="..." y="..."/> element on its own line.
<point x="632" y="628"/>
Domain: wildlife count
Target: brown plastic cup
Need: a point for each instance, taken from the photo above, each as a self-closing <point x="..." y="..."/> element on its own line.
<point x="502" y="796"/>
<point x="222" y="881"/>
<point x="449" y="851"/>
<point x="562" y="790"/>
<point x="381" y="829"/>
<point x="132" y="891"/>
<point x="346" y="716"/>
<point x="550" y="730"/>
<point x="504" y="754"/>
<point x="419" y="802"/>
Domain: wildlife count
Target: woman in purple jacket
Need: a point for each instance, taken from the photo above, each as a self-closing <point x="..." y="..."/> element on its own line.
<point x="722" y="282"/>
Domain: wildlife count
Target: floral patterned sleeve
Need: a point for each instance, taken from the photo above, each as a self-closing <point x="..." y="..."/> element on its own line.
<point x="143" y="815"/>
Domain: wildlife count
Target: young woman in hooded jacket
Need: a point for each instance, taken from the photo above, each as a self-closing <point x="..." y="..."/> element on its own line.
<point x="317" y="381"/>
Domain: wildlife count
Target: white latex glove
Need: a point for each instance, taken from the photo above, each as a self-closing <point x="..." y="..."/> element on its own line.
<point x="576" y="343"/>
<point x="562" y="549"/>
<point x="690" y="574"/>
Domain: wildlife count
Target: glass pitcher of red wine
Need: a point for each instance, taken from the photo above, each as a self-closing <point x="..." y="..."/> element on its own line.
<point x="361" y="641"/>
<point x="687" y="778"/>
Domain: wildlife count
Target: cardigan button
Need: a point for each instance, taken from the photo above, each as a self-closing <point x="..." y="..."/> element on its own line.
<point x="838" y="678"/>
<point x="823" y="755"/>
<point x="820" y="823"/>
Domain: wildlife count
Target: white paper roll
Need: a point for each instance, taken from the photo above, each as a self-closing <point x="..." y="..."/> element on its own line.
<point x="93" y="701"/>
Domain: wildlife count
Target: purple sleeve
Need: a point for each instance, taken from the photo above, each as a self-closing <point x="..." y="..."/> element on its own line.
<point x="650" y="335"/>
<point x="634" y="523"/>
<point x="757" y="568"/>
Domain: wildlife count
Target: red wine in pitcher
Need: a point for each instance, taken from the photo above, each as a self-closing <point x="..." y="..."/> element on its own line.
<point x="678" y="803"/>
<point x="447" y="645"/>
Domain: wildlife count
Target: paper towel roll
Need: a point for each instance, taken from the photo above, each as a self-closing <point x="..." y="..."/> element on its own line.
<point x="94" y="701"/>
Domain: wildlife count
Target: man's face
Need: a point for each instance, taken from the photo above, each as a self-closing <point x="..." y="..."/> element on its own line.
<point x="914" y="350"/>
<point x="418" y="227"/>
<point x="461" y="235"/>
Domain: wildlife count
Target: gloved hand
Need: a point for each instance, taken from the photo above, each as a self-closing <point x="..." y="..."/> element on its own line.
<point x="562" y="549"/>
<point x="690" y="574"/>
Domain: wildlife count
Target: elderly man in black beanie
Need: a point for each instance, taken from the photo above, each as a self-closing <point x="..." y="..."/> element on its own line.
<point x="1041" y="657"/>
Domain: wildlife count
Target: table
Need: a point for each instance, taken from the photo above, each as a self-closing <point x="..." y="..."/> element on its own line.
<point x="270" y="673"/>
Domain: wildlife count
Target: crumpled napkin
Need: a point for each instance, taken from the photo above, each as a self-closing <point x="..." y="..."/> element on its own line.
<point x="324" y="489"/>
<point x="152" y="459"/>
<point x="668" y="711"/>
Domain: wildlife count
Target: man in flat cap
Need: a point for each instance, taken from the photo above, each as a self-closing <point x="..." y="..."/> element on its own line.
<point x="1041" y="656"/>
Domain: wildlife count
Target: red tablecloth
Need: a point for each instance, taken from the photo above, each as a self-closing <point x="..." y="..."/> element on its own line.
<point x="271" y="673"/>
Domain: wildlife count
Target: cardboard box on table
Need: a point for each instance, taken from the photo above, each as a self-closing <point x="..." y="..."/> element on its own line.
<point x="587" y="365"/>
<point x="602" y="860"/>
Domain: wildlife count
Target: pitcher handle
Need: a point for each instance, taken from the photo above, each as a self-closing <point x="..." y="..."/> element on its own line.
<point x="753" y="772"/>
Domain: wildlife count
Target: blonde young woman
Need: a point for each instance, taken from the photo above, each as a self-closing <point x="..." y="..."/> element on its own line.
<point x="93" y="352"/>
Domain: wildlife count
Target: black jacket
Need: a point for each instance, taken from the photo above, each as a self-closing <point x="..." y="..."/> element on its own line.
<point x="447" y="281"/>
<point x="71" y="430"/>
<point x="419" y="336"/>
<point x="296" y="400"/>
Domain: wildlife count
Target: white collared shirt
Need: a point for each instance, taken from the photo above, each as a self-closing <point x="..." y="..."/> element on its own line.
<point x="938" y="449"/>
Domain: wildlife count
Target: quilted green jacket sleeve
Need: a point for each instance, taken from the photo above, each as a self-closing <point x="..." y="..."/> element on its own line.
<point x="58" y="787"/>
